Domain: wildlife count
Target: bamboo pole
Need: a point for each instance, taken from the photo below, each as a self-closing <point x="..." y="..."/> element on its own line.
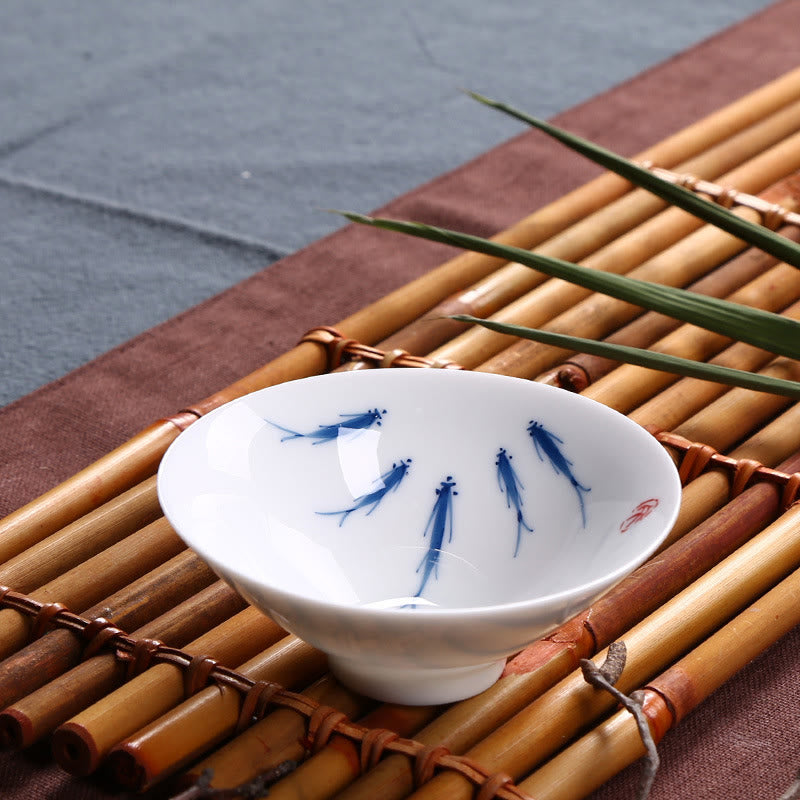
<point x="544" y="663"/>
<point x="583" y="370"/>
<point x="116" y="472"/>
<point x="38" y="714"/>
<point x="143" y="600"/>
<point x="589" y="235"/>
<point x="88" y="583"/>
<point x="135" y="460"/>
<point x="771" y="445"/>
<point x="629" y="386"/>
<point x="739" y="410"/>
<point x="204" y="720"/>
<point x="82" y="742"/>
<point x="615" y="743"/>
<point x="339" y="763"/>
<point x="26" y="564"/>
<point x="557" y="716"/>
<point x="276" y="738"/>
<point x="654" y="251"/>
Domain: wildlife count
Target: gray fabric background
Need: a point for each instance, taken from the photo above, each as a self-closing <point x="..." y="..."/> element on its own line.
<point x="152" y="153"/>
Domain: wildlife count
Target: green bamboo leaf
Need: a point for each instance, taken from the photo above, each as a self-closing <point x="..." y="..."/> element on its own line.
<point x="771" y="332"/>
<point x="645" y="358"/>
<point x="757" y="235"/>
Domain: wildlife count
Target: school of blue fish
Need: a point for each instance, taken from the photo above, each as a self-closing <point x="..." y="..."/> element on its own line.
<point x="439" y="526"/>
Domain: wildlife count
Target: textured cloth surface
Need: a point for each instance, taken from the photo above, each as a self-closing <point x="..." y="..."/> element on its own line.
<point x="743" y="742"/>
<point x="154" y="154"/>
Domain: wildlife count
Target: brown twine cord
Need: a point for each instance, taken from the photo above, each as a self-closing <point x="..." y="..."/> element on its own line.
<point x="321" y="726"/>
<point x="255" y="703"/>
<point x="426" y="762"/>
<point x="45" y="616"/>
<point x="698" y="457"/>
<point x="373" y="745"/>
<point x="142" y="655"/>
<point x="197" y="674"/>
<point x="259" y="696"/>
<point x="339" y="350"/>
<point x="492" y="785"/>
<point x="772" y="214"/>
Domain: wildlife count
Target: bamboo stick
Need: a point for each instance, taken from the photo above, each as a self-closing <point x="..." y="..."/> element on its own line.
<point x="116" y="472"/>
<point x="339" y="763"/>
<point x="38" y="714"/>
<point x="558" y="715"/>
<point x="100" y="576"/>
<point x="136" y="459"/>
<point x="616" y="743"/>
<point x="81" y="743"/>
<point x="771" y="445"/>
<point x="278" y="737"/>
<point x="210" y="716"/>
<point x="541" y="665"/>
<point x="740" y="410"/>
<point x="26" y="565"/>
<point x="583" y="370"/>
<point x="587" y="236"/>
<point x="654" y="251"/>
<point x="143" y="600"/>
<point x="629" y="386"/>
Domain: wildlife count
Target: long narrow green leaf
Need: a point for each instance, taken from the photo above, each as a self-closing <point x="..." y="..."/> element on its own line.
<point x="645" y="358"/>
<point x="772" y="332"/>
<point x="778" y="246"/>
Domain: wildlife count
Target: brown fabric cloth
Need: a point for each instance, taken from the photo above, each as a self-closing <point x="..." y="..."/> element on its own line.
<point x="743" y="742"/>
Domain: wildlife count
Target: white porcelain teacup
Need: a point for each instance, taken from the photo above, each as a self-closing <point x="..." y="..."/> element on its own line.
<point x="419" y="525"/>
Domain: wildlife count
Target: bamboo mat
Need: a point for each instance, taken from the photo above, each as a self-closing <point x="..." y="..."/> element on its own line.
<point x="742" y="741"/>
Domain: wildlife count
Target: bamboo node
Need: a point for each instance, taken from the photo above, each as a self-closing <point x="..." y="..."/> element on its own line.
<point x="572" y="377"/>
<point x="321" y="726"/>
<point x="373" y="745"/>
<point x="426" y="761"/>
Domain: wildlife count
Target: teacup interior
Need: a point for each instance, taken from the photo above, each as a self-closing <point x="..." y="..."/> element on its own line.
<point x="407" y="493"/>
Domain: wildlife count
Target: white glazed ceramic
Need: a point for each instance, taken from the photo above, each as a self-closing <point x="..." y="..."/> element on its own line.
<point x="419" y="525"/>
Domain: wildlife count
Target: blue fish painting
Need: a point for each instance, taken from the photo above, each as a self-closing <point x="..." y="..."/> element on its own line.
<point x="510" y="485"/>
<point x="328" y="433"/>
<point x="440" y="523"/>
<point x="390" y="481"/>
<point x="547" y="448"/>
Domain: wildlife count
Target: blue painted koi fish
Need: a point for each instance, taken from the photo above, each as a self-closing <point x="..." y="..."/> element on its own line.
<point x="391" y="480"/>
<point x="327" y="433"/>
<point x="547" y="447"/>
<point x="510" y="485"/>
<point x="439" y="523"/>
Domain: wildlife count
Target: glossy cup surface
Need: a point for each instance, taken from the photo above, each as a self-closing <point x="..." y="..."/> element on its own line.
<point x="419" y="525"/>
